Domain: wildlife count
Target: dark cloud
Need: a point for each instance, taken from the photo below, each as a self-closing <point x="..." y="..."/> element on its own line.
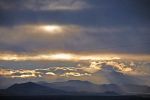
<point x="123" y="25"/>
<point x="102" y="12"/>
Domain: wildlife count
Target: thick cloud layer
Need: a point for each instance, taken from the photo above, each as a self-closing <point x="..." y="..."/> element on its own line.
<point x="120" y="26"/>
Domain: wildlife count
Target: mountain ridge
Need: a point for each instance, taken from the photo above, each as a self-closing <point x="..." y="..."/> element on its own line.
<point x="73" y="87"/>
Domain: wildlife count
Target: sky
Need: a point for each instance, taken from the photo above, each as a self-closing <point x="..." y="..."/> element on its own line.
<point x="54" y="40"/>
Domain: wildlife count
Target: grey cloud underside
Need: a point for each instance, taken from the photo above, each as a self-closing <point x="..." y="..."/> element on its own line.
<point x="104" y="39"/>
<point x="130" y="17"/>
<point x="102" y="12"/>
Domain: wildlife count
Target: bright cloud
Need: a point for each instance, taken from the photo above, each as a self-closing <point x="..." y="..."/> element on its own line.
<point x="56" y="56"/>
<point x="7" y="56"/>
<point x="19" y="73"/>
<point x="76" y="74"/>
<point x="94" y="67"/>
<point x="39" y="29"/>
<point x="50" y="73"/>
<point x="76" y="71"/>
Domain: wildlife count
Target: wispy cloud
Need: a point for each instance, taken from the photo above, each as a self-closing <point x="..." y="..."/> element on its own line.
<point x="45" y="5"/>
<point x="56" y="29"/>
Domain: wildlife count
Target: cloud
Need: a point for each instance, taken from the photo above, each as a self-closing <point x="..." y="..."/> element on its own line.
<point x="19" y="73"/>
<point x="36" y="35"/>
<point x="47" y="37"/>
<point x="75" y="74"/>
<point x="44" y="5"/>
<point x="119" y="66"/>
<point x="72" y="56"/>
<point x="56" y="29"/>
<point x="37" y="73"/>
<point x="50" y="73"/>
<point x="57" y="56"/>
<point x="36" y="32"/>
<point x="99" y="72"/>
<point x="76" y="71"/>
<point x="65" y="5"/>
<point x="96" y="66"/>
<point x="49" y="29"/>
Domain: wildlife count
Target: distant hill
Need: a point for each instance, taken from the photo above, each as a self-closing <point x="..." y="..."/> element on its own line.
<point x="74" y="87"/>
<point x="81" y="86"/>
<point x="30" y="89"/>
<point x="88" y="87"/>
